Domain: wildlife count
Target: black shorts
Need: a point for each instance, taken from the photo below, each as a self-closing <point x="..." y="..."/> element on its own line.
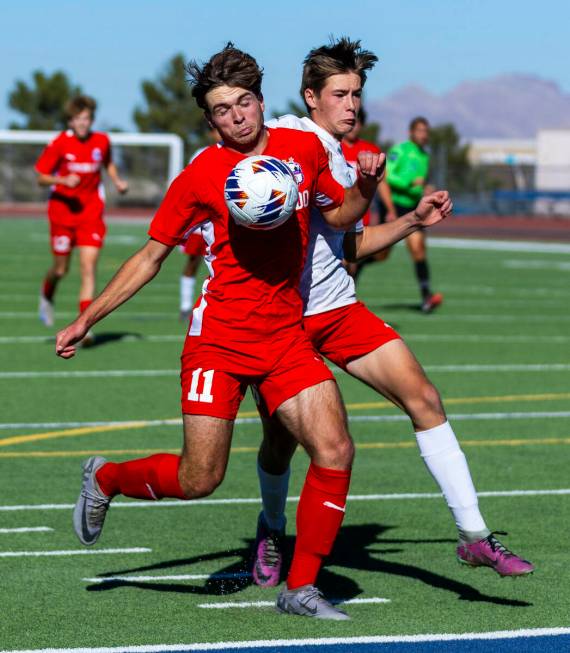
<point x="400" y="211"/>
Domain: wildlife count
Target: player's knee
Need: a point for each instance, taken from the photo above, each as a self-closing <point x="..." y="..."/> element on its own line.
<point x="430" y="400"/>
<point x="335" y="453"/>
<point x="201" y="485"/>
<point x="60" y="272"/>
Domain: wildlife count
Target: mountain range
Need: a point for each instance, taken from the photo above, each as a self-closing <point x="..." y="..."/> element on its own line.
<point x="507" y="106"/>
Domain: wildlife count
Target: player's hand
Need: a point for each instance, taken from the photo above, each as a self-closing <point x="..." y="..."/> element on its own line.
<point x="433" y="208"/>
<point x="66" y="339"/>
<point x="122" y="186"/>
<point x="391" y="216"/>
<point x="419" y="181"/>
<point x="371" y="167"/>
<point x="71" y="181"/>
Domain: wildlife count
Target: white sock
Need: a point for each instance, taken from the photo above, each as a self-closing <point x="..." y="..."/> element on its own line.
<point x="274" y="491"/>
<point x="446" y="462"/>
<point x="187" y="285"/>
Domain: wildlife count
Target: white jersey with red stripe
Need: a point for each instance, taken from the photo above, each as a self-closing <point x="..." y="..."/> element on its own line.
<point x="325" y="283"/>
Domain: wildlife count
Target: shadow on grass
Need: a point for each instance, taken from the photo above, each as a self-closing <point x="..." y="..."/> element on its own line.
<point x="353" y="550"/>
<point x="112" y="336"/>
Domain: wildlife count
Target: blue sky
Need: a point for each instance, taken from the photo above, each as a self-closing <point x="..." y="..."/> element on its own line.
<point x="109" y="46"/>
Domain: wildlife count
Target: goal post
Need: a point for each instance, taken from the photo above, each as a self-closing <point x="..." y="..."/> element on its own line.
<point x="148" y="161"/>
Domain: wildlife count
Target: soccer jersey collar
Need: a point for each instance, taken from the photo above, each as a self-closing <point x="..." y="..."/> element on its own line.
<point x="332" y="143"/>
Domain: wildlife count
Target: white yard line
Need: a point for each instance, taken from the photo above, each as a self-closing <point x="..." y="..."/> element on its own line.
<point x="272" y="644"/>
<point x="26" y="529"/>
<point x="419" y="337"/>
<point x="560" y="414"/>
<point x="96" y="374"/>
<point x="500" y="246"/>
<point x="167" y="503"/>
<point x="70" y="552"/>
<point x="151" y="579"/>
<point x="271" y="604"/>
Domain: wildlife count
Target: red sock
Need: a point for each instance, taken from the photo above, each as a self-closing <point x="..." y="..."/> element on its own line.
<point x="48" y="289"/>
<point x="319" y="516"/>
<point x="155" y="477"/>
<point x="84" y="303"/>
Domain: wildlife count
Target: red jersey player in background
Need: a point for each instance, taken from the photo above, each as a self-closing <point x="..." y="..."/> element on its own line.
<point x="351" y="145"/>
<point x="245" y="330"/>
<point x="71" y="164"/>
<point x="195" y="249"/>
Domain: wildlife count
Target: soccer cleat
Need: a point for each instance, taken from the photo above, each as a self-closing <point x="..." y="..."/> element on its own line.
<point x="268" y="555"/>
<point x="92" y="505"/>
<point x="489" y="552"/>
<point x="88" y="340"/>
<point x="45" y="311"/>
<point x="308" y="601"/>
<point x="185" y="315"/>
<point x="432" y="302"/>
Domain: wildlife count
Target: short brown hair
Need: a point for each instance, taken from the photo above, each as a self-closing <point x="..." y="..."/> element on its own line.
<point x="229" y="67"/>
<point x="419" y="120"/>
<point x="340" y="56"/>
<point x="79" y="103"/>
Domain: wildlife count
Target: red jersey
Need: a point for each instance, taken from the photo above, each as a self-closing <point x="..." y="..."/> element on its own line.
<point x="350" y="151"/>
<point x="67" y="154"/>
<point x="252" y="292"/>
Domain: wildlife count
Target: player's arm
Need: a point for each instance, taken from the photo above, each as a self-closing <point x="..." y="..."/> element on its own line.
<point x="131" y="277"/>
<point x="357" y="198"/>
<point x="432" y="209"/>
<point x="120" y="184"/>
<point x="71" y="180"/>
<point x="48" y="162"/>
<point x="385" y="195"/>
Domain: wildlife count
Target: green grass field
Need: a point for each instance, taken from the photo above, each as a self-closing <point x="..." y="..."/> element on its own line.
<point x="499" y="351"/>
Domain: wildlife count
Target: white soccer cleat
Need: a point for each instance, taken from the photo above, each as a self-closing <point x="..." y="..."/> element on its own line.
<point x="88" y="339"/>
<point x="45" y="311"/>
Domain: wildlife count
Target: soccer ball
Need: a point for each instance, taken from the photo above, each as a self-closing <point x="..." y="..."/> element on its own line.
<point x="261" y="192"/>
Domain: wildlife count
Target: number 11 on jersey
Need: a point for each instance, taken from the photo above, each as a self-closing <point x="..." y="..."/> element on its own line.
<point x="206" y="395"/>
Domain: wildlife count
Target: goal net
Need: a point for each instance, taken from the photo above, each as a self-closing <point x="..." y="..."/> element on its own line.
<point x="147" y="161"/>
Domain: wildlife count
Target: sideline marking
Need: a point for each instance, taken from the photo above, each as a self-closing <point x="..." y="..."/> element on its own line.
<point x="500" y="245"/>
<point x="18" y="439"/>
<point x="271" y="604"/>
<point x="169" y="503"/>
<point x="420" y="337"/>
<point x="31" y="529"/>
<point x="97" y="374"/>
<point x="405" y="444"/>
<point x="323" y="641"/>
<point x="177" y="421"/>
<point x="70" y="552"/>
<point x="148" y="579"/>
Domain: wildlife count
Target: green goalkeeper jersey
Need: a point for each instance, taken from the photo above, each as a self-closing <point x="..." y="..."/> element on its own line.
<point x="406" y="162"/>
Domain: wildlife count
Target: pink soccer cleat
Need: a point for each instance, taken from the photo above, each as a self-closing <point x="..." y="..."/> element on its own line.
<point x="489" y="552"/>
<point x="268" y="555"/>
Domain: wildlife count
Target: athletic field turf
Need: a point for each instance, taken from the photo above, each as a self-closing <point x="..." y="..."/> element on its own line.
<point x="168" y="575"/>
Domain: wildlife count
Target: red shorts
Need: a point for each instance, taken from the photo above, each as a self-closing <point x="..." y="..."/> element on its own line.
<point x="87" y="234"/>
<point x="347" y="333"/>
<point x="194" y="245"/>
<point x="214" y="379"/>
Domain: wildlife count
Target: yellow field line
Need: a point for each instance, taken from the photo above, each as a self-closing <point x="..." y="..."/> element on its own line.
<point x="67" y="433"/>
<point x="407" y="444"/>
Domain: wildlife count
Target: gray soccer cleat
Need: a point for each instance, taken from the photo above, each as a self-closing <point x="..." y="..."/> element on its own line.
<point x="92" y="505"/>
<point x="308" y="601"/>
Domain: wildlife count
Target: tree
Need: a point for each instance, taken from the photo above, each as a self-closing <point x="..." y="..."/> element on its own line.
<point x="170" y="107"/>
<point x="450" y="159"/>
<point x="42" y="102"/>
